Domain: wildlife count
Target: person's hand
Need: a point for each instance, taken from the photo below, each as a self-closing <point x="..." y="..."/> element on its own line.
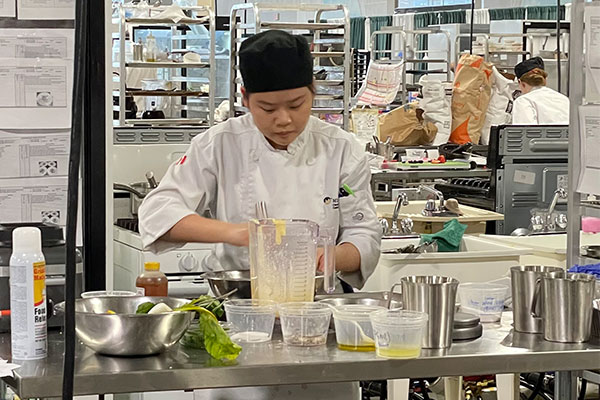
<point x="238" y="235"/>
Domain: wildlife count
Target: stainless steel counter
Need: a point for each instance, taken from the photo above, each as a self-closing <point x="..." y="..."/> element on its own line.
<point x="381" y="182"/>
<point x="498" y="351"/>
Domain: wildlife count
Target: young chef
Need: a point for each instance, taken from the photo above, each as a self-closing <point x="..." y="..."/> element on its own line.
<point x="279" y="154"/>
<point x="538" y="104"/>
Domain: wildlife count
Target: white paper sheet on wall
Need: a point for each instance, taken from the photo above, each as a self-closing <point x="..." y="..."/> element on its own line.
<point x="8" y="8"/>
<point x="34" y="200"/>
<point x="46" y="9"/>
<point x="36" y="43"/>
<point x="592" y="56"/>
<point x="36" y="93"/>
<point x="589" y="131"/>
<point x="34" y="153"/>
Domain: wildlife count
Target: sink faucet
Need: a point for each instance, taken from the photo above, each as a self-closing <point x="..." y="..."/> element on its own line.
<point x="402" y="200"/>
<point x="436" y="193"/>
<point x="558" y="193"/>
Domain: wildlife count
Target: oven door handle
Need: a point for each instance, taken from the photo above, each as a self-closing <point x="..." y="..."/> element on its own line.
<point x="57" y="281"/>
<point x="541" y="145"/>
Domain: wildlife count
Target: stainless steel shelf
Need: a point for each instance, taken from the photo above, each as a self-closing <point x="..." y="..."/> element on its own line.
<point x="167" y="121"/>
<point x="297" y="25"/>
<point x="329" y="82"/>
<point x="163" y="64"/>
<point x="166" y="93"/>
<point x="327" y="53"/>
<point x="499" y="351"/>
<point x="327" y="110"/>
<point x="427" y="60"/>
<point x="164" y="21"/>
<point x="328" y="41"/>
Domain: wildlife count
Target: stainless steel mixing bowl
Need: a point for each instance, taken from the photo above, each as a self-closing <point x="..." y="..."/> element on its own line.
<point x="223" y="282"/>
<point x="362" y="298"/>
<point x="126" y="333"/>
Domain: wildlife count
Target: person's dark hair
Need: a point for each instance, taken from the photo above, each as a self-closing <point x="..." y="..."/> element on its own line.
<point x="535" y="77"/>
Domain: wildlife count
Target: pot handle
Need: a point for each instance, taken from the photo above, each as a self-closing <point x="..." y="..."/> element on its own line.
<point x="327" y="241"/>
<point x="390" y="295"/>
<point x="127" y="188"/>
<point x="536" y="296"/>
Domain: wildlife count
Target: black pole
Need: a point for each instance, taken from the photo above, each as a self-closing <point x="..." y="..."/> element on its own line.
<point x="471" y="28"/>
<point x="77" y="127"/>
<point x="94" y="154"/>
<point x="558" y="57"/>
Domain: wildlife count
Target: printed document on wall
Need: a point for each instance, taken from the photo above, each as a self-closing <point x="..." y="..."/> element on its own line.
<point x="589" y="131"/>
<point x="46" y="9"/>
<point x="34" y="200"/>
<point x="592" y="57"/>
<point x="7" y="8"/>
<point x="34" y="153"/>
<point x="36" y="43"/>
<point x="36" y="93"/>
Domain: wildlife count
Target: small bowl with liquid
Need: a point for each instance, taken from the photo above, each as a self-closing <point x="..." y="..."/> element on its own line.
<point x="353" y="328"/>
<point x="398" y="333"/>
<point x="304" y="323"/>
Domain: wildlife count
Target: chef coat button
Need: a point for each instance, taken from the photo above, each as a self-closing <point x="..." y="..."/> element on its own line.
<point x="311" y="161"/>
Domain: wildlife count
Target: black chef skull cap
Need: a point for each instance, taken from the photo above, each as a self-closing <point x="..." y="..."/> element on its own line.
<point x="524" y="67"/>
<point x="275" y="60"/>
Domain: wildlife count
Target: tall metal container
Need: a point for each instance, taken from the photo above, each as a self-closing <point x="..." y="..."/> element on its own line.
<point x="523" y="289"/>
<point x="436" y="296"/>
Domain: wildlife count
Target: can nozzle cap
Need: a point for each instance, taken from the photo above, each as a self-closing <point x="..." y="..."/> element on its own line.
<point x="27" y="239"/>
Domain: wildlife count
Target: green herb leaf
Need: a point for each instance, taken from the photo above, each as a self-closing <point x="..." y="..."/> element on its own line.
<point x="144" y="308"/>
<point x="217" y="343"/>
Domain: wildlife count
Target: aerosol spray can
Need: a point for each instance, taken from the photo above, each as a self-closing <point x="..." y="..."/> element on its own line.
<point x="28" y="295"/>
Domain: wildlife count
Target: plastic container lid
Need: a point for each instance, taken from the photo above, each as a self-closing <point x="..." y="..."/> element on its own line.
<point x="27" y="240"/>
<point x="152" y="266"/>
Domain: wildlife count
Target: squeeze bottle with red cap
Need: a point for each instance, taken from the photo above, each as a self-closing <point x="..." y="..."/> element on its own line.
<point x="28" y="330"/>
<point x="152" y="282"/>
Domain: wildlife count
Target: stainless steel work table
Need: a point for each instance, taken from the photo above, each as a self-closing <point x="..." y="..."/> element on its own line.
<point x="498" y="351"/>
<point x="386" y="178"/>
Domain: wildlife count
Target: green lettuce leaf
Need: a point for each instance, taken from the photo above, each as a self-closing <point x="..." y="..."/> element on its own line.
<point x="144" y="308"/>
<point x="216" y="341"/>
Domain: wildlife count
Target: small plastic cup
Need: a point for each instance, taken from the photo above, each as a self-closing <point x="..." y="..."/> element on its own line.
<point x="483" y="299"/>
<point x="251" y="320"/>
<point x="108" y="293"/>
<point x="398" y="333"/>
<point x="353" y="329"/>
<point x="304" y="323"/>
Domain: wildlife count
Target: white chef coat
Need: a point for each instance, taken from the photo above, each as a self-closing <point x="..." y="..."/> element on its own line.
<point x="232" y="166"/>
<point x="541" y="106"/>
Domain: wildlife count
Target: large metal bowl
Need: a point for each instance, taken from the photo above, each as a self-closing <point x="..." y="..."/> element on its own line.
<point x="126" y="333"/>
<point x="223" y="282"/>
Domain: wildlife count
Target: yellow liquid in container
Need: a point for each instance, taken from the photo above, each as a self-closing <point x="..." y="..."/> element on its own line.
<point x="399" y="352"/>
<point x="279" y="230"/>
<point x="352" y="347"/>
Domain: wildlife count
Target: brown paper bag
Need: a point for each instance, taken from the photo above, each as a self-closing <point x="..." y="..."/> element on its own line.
<point x="406" y="126"/>
<point x="470" y="98"/>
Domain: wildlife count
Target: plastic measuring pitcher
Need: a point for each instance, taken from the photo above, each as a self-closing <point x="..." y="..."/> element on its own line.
<point x="283" y="259"/>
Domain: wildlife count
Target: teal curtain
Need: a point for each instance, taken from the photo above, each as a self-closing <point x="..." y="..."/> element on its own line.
<point x="544" y="12"/>
<point x="497" y="14"/>
<point x="357" y="32"/>
<point x="384" y="42"/>
<point x="453" y="17"/>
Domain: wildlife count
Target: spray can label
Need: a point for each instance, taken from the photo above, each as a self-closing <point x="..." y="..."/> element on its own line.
<point x="28" y="311"/>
